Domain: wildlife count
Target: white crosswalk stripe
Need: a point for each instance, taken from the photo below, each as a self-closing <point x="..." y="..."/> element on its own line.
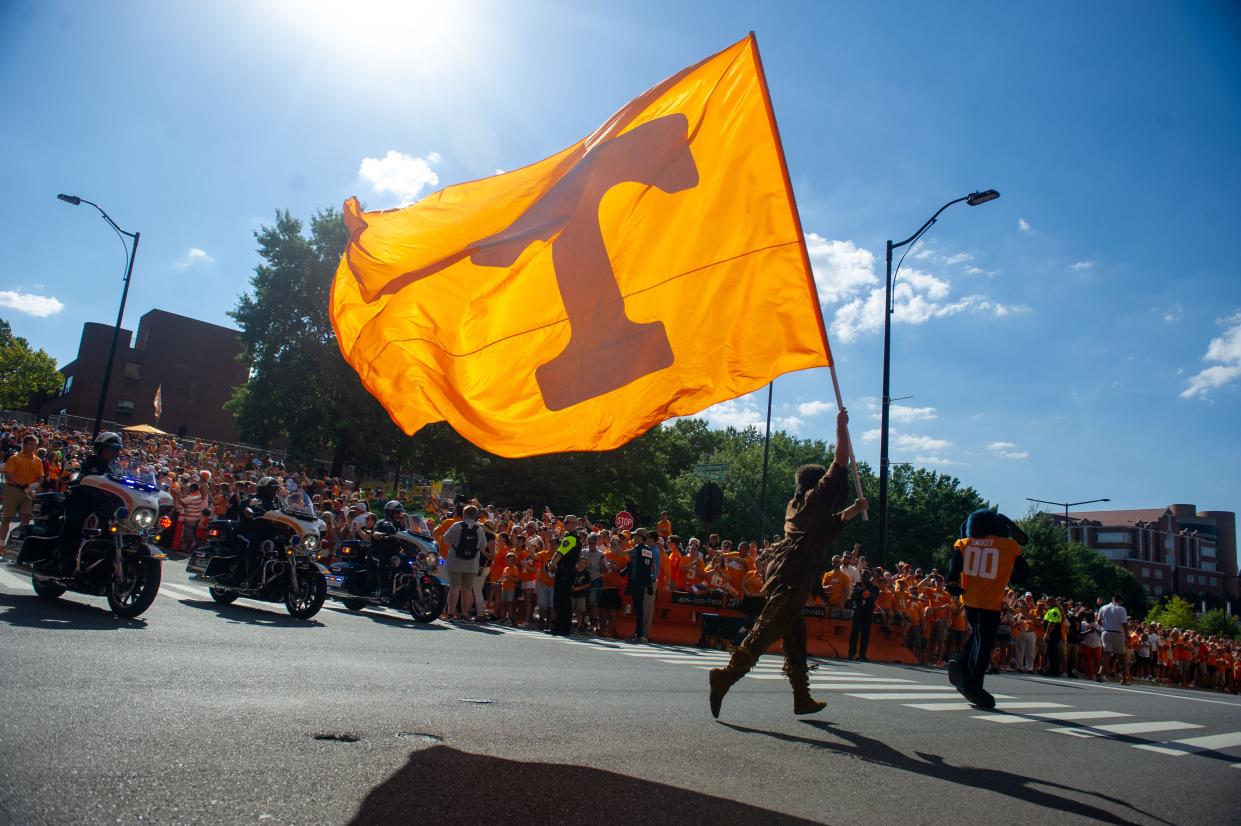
<point x="1128" y="728"/>
<point x="967" y="706"/>
<point x="1177" y="748"/>
<point x="916" y="693"/>
<point x="1051" y="715"/>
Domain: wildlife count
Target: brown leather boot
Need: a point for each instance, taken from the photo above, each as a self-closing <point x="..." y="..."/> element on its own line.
<point x="803" y="703"/>
<point x="722" y="679"/>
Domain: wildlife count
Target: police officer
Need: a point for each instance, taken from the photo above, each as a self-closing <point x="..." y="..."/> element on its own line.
<point x="255" y="530"/>
<point x="643" y="574"/>
<point x="566" y="556"/>
<point x="81" y="502"/>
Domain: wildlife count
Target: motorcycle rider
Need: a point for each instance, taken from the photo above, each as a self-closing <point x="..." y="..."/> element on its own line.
<point x="394" y="512"/>
<point x="385" y="557"/>
<point x="81" y="502"/>
<point x="256" y="530"/>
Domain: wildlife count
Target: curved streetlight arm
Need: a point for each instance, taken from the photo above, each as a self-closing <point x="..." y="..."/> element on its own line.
<point x="927" y="225"/>
<point x="108" y="218"/>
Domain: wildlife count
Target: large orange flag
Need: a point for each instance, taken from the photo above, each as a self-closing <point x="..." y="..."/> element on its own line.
<point x="648" y="271"/>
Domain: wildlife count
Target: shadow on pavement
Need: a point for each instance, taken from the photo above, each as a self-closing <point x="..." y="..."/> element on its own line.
<point x="63" y="614"/>
<point x="1018" y="787"/>
<point x="475" y="627"/>
<point x="249" y="614"/>
<point x="386" y="619"/>
<point x="539" y="793"/>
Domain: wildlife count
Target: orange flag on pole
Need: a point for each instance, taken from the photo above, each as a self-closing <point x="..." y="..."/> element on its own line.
<point x="648" y="271"/>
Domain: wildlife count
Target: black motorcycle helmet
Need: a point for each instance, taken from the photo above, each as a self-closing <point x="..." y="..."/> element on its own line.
<point x="383" y="529"/>
<point x="393" y="511"/>
<point x="267" y="489"/>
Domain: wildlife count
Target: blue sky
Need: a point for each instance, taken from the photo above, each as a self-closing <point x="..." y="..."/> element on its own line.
<point x="1078" y="338"/>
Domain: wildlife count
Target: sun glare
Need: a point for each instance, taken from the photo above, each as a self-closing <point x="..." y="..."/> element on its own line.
<point x="411" y="33"/>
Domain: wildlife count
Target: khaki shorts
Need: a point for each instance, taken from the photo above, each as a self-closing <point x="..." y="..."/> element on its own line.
<point x="16" y="502"/>
<point x="462" y="580"/>
<point x="1114" y="643"/>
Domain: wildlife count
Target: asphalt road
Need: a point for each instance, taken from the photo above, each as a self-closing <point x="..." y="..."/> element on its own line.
<point x="220" y="715"/>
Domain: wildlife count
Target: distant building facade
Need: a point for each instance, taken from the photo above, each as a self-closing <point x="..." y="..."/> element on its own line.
<point x="1172" y="550"/>
<point x="193" y="364"/>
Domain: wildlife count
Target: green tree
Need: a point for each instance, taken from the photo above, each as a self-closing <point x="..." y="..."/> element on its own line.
<point x="300" y="390"/>
<point x="1217" y="623"/>
<point x="24" y="373"/>
<point x="1175" y="613"/>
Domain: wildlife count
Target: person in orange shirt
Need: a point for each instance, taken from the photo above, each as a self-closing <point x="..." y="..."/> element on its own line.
<point x="614" y="561"/>
<point x="664" y="526"/>
<point x="675" y="558"/>
<point x="22" y="471"/>
<point x="510" y="582"/>
<point x="914" y="609"/>
<point x="529" y="576"/>
<point x="983" y="562"/>
<point x="545" y="583"/>
<point x="836" y="584"/>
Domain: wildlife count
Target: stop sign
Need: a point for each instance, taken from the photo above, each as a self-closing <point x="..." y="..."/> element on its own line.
<point x="624" y="521"/>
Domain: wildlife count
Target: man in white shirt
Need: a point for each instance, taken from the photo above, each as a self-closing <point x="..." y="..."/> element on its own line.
<point x="1112" y="618"/>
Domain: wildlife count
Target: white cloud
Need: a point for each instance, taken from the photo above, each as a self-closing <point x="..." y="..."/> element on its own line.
<point x="959" y="258"/>
<point x="1082" y="266"/>
<point x="871" y="435"/>
<point x="40" y="306"/>
<point x="902" y="413"/>
<point x="1023" y="225"/>
<point x="814" y="408"/>
<point x="841" y="270"/>
<point x="1007" y="450"/>
<point x="915" y="442"/>
<point x="192" y="257"/>
<point x="789" y="424"/>
<point x="846" y="279"/>
<point x="739" y="413"/>
<point x="934" y="460"/>
<point x="401" y="175"/>
<point x="1174" y="314"/>
<point x="1224" y="349"/>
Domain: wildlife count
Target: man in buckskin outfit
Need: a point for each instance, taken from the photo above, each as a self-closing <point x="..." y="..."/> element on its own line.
<point x="812" y="521"/>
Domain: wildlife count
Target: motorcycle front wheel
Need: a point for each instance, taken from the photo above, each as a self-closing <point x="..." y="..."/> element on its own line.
<point x="308" y="599"/>
<point x="222" y="596"/>
<point x="46" y="590"/>
<point x="134" y="591"/>
<point x="427" y="606"/>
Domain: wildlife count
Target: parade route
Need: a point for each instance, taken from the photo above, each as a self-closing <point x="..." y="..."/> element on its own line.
<point x="199" y="713"/>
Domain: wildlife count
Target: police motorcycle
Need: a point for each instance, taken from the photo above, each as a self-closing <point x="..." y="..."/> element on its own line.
<point x="116" y="556"/>
<point x="398" y="568"/>
<point x="270" y="556"/>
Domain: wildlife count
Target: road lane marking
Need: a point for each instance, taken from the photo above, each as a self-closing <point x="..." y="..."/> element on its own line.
<point x="1036" y="717"/>
<point x="967" y="706"/>
<point x="186" y="589"/>
<point x="1128" y="690"/>
<point x="912" y="695"/>
<point x="1144" y="728"/>
<point x="1177" y="748"/>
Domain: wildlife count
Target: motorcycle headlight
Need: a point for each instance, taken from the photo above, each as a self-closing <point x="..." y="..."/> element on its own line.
<point x="310" y="543"/>
<point x="142" y="518"/>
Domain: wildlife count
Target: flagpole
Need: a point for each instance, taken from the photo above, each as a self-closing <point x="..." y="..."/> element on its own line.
<point x="805" y="256"/>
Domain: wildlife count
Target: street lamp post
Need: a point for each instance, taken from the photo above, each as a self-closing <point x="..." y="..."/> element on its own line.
<point x="1066" y="506"/>
<point x="973" y="199"/>
<point x="132" y="253"/>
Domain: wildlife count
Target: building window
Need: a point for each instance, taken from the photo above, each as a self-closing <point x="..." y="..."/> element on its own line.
<point x="124" y="408"/>
<point x="1212" y="582"/>
<point x="1113" y="553"/>
<point x="1158" y="590"/>
<point x="1208" y="565"/>
<point x="133" y="370"/>
<point x="1114" y="537"/>
<point x="1146" y="572"/>
<point x="1159" y="573"/>
<point x="68" y="386"/>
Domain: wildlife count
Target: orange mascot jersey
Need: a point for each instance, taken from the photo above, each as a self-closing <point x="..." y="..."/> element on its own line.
<point x="988" y="562"/>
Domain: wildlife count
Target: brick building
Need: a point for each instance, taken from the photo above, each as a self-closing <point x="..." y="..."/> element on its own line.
<point x="193" y="364"/>
<point x="1172" y="550"/>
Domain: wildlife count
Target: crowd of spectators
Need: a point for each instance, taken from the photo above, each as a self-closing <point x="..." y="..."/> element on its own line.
<point x="515" y="578"/>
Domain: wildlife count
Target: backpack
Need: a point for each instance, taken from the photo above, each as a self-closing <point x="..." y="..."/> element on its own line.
<point x="467" y="543"/>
